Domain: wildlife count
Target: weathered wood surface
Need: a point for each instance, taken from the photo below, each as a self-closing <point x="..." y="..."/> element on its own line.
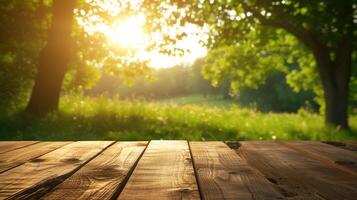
<point x="11" y="145"/>
<point x="17" y="157"/>
<point x="164" y="172"/>
<point x="303" y="176"/>
<point x="177" y="170"/>
<point x="27" y="179"/>
<point x="222" y="174"/>
<point x="340" y="158"/>
<point x="102" y="176"/>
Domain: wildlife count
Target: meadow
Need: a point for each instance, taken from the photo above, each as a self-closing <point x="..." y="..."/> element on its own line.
<point x="191" y="118"/>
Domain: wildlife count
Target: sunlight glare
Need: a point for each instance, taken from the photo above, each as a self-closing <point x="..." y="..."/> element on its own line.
<point x="128" y="33"/>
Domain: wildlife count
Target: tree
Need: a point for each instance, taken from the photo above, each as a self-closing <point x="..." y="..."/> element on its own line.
<point x="21" y="37"/>
<point x="54" y="59"/>
<point x="328" y="36"/>
<point x="324" y="27"/>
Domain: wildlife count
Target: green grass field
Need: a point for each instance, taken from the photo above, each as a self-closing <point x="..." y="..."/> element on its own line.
<point x="192" y="118"/>
<point x="199" y="100"/>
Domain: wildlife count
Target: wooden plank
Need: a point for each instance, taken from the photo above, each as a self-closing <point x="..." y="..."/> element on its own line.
<point x="299" y="176"/>
<point x="40" y="174"/>
<point x="222" y="174"/>
<point x="336" y="157"/>
<point x="102" y="176"/>
<point x="12" y="145"/>
<point x="17" y="157"/>
<point x="164" y="172"/>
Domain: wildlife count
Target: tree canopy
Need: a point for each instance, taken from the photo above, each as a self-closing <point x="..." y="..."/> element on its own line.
<point x="324" y="31"/>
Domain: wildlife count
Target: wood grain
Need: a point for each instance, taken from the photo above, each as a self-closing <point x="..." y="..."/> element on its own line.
<point x="102" y="176"/>
<point x="12" y="145"/>
<point x="299" y="176"/>
<point x="38" y="174"/>
<point x="164" y="172"/>
<point x="222" y="174"/>
<point x="340" y="158"/>
<point x="17" y="157"/>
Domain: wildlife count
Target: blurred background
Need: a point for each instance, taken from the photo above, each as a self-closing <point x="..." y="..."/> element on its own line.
<point x="199" y="70"/>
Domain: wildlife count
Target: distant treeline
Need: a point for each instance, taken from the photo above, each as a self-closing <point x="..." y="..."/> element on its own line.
<point x="275" y="95"/>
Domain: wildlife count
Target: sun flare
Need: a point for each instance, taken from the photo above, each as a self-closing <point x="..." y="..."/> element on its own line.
<point x="128" y="33"/>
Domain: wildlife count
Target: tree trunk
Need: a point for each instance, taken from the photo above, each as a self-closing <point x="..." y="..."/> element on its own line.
<point x="335" y="73"/>
<point x="336" y="111"/>
<point x="53" y="60"/>
<point x="335" y="76"/>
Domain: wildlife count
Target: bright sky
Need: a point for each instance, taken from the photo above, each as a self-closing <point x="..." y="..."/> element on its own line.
<point x="128" y="33"/>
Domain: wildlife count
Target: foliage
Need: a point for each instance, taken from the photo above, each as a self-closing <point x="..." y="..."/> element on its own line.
<point x="249" y="62"/>
<point x="22" y="36"/>
<point x="276" y="95"/>
<point x="180" y="81"/>
<point x="84" y="118"/>
<point x="247" y="42"/>
<point x="94" y="54"/>
<point x="244" y="55"/>
<point x="161" y="83"/>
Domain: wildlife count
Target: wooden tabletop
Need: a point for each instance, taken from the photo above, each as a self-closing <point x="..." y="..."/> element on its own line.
<point x="178" y="170"/>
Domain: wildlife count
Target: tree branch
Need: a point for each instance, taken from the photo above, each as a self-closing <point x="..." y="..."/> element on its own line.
<point x="307" y="37"/>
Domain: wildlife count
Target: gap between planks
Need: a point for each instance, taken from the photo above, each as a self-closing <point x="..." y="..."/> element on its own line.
<point x="33" y="179"/>
<point x="165" y="171"/>
<point x="303" y="176"/>
<point x="17" y="157"/>
<point x="7" y="146"/>
<point x="216" y="150"/>
<point x="247" y="185"/>
<point x="104" y="177"/>
<point x="195" y="172"/>
<point x="222" y="174"/>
